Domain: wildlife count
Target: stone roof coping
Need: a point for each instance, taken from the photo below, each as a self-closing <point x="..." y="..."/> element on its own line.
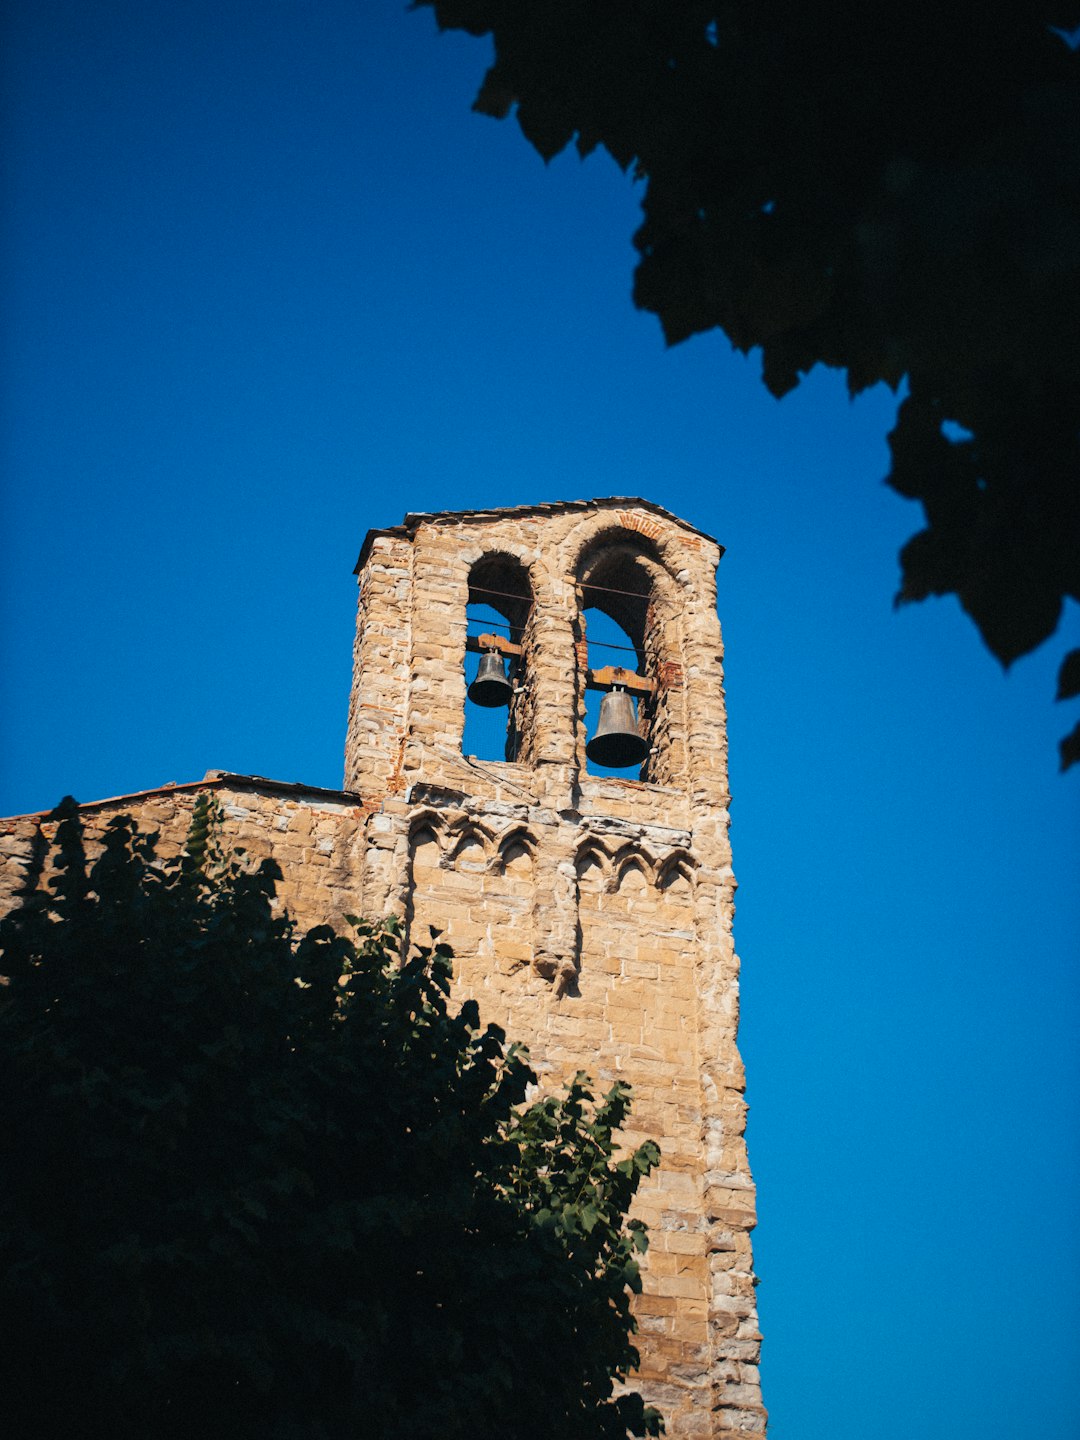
<point x="212" y="780"/>
<point x="413" y="521"/>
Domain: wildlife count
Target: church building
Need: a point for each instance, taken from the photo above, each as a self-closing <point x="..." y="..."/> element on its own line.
<point x="578" y="862"/>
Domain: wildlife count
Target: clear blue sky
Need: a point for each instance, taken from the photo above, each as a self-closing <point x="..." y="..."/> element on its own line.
<point x="268" y="282"/>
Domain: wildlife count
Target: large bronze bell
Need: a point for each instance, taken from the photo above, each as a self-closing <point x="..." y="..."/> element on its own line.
<point x="491" y="688"/>
<point x="617" y="743"/>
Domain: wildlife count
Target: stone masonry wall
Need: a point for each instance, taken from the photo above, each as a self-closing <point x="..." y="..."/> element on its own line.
<point x="316" y="836"/>
<point x="592" y="918"/>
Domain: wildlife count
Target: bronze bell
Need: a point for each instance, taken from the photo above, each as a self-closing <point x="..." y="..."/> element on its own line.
<point x="617" y="743"/>
<point x="491" y="688"/>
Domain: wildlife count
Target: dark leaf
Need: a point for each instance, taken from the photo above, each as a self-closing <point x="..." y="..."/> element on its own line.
<point x="285" y="1185"/>
<point x="1069" y="676"/>
<point x="1070" y="748"/>
<point x="803" y="195"/>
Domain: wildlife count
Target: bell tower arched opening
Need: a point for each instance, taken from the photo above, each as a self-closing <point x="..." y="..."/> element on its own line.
<point x="498" y="639"/>
<point x="625" y="625"/>
<point x="609" y="646"/>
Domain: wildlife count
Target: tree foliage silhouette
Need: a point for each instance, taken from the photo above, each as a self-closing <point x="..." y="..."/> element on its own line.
<point x="268" y="1184"/>
<point x="888" y="190"/>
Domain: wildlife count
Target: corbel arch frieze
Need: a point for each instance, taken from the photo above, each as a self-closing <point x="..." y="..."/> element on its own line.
<point x="594" y="850"/>
<point x="658" y="869"/>
<point x="629" y="856"/>
<point x="427" y="819"/>
<point x="517" y="836"/>
<point x="676" y="867"/>
<point x="466" y="832"/>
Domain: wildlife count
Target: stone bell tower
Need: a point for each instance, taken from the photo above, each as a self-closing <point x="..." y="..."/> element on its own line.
<point x="591" y="915"/>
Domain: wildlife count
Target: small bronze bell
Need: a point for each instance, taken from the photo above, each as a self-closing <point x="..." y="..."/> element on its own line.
<point x="617" y="743"/>
<point x="491" y="688"/>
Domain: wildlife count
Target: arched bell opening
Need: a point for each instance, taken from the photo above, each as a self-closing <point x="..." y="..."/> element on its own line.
<point x="615" y="741"/>
<point x="498" y="631"/>
<point x="620" y="657"/>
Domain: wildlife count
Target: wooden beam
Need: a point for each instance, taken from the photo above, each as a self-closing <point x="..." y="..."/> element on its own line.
<point x="492" y="642"/>
<point x="612" y="675"/>
<point x="603" y="679"/>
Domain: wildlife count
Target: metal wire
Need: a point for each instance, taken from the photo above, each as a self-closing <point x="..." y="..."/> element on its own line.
<point x="498" y="624"/>
<point x="581" y="584"/>
<point x="607" y="645"/>
<point x="593" y="644"/>
<point x="607" y="590"/>
<point x="506" y="594"/>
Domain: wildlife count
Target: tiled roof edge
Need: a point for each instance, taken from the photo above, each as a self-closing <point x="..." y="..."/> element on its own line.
<point x="212" y="780"/>
<point x="415" y="519"/>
